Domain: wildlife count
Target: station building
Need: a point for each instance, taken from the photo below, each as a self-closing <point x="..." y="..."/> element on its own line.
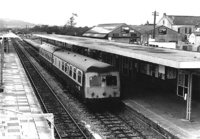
<point x="162" y="84"/>
<point x="119" y="32"/>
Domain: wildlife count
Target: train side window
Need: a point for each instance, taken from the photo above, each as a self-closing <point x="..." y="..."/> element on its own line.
<point x="59" y="64"/>
<point x="74" y="73"/>
<point x="95" y="81"/>
<point x="79" y="76"/>
<point x="53" y="60"/>
<point x="70" y="70"/>
<point x="62" y="65"/>
<point x="66" y="68"/>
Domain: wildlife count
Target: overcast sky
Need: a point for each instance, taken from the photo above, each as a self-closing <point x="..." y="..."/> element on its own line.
<point x="94" y="12"/>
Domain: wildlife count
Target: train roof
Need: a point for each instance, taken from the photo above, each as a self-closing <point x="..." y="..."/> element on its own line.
<point x="84" y="63"/>
<point x="163" y="56"/>
<point x="48" y="47"/>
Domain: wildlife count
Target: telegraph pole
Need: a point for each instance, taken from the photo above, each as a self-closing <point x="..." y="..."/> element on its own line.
<point x="2" y="57"/>
<point x="154" y="25"/>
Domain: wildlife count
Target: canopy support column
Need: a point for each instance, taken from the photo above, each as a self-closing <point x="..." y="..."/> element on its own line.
<point x="189" y="99"/>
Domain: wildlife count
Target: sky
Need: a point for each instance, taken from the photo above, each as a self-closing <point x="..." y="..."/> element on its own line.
<point x="94" y="12"/>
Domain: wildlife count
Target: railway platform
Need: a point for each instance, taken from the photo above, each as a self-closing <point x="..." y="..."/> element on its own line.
<point x="166" y="113"/>
<point x="21" y="116"/>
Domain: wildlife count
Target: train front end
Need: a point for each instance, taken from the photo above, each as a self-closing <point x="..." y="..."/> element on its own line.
<point x="102" y="85"/>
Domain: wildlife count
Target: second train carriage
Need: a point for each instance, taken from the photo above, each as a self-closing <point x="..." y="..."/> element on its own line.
<point x="92" y="79"/>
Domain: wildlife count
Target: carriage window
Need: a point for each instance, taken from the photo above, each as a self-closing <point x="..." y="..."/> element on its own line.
<point x="62" y="66"/>
<point x="74" y="73"/>
<point x="79" y="76"/>
<point x="95" y="81"/>
<point x="111" y="80"/>
<point x="66" y="70"/>
<point x="55" y="60"/>
<point x="70" y="71"/>
<point x="59" y="64"/>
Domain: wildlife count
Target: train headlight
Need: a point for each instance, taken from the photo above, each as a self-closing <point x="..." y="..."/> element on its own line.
<point x="115" y="93"/>
<point x="92" y="94"/>
<point x="104" y="94"/>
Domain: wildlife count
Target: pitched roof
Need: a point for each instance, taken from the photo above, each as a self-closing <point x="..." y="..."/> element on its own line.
<point x="142" y="28"/>
<point x="184" y="20"/>
<point x="102" y="29"/>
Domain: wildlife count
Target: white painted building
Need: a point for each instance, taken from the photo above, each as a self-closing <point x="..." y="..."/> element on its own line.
<point x="194" y="39"/>
<point x="182" y="24"/>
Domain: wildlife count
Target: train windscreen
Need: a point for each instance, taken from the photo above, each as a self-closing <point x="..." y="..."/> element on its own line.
<point x="103" y="80"/>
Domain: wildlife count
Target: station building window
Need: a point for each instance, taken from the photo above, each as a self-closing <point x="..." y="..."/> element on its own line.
<point x="183" y="84"/>
<point x="190" y="30"/>
<point x="185" y="30"/>
<point x="179" y="30"/>
<point x="115" y="34"/>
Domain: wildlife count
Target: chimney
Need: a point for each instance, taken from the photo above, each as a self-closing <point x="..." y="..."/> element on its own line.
<point x="164" y="14"/>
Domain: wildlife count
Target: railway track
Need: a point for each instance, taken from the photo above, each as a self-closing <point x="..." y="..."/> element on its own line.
<point x="65" y="125"/>
<point x="115" y="122"/>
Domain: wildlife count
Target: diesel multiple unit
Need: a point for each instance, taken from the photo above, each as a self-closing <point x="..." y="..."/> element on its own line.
<point x="89" y="78"/>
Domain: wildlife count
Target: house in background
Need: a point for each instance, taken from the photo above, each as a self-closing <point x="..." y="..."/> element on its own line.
<point x="182" y="24"/>
<point x="194" y="39"/>
<point x="119" y="32"/>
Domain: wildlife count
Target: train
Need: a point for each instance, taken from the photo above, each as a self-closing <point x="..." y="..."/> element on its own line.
<point x="88" y="78"/>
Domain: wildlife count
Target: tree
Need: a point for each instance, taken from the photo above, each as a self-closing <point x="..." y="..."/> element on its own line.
<point x="71" y="22"/>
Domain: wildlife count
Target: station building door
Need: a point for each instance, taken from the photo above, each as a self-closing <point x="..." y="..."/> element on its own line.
<point x="184" y="89"/>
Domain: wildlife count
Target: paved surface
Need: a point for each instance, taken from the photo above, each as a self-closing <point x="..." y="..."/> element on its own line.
<point x="18" y="100"/>
<point x="167" y="112"/>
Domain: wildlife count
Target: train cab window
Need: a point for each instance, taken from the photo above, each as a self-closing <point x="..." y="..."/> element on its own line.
<point x="79" y="76"/>
<point x="74" y="73"/>
<point x="111" y="80"/>
<point x="62" y="65"/>
<point x="70" y="70"/>
<point x="95" y="81"/>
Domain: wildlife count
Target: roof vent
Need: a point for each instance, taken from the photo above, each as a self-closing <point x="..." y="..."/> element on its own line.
<point x="68" y="52"/>
<point x="85" y="60"/>
<point x="74" y="55"/>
